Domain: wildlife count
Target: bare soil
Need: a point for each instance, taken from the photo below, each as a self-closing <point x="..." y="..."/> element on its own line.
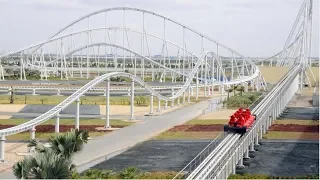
<point x="294" y="128"/>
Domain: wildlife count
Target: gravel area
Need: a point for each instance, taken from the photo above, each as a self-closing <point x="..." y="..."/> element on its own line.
<point x="300" y="113"/>
<point x="156" y="155"/>
<point x="276" y="158"/>
<point x="283" y="159"/>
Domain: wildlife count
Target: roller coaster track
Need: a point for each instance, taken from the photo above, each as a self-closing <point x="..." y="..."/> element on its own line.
<point x="209" y="168"/>
<point x="51" y="113"/>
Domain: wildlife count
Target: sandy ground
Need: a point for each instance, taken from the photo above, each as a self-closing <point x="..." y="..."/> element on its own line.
<point x="301" y="100"/>
<point x="221" y="114"/>
<point x="10" y="108"/>
<point x="138" y="111"/>
<point x="306" y="91"/>
<point x="11" y="150"/>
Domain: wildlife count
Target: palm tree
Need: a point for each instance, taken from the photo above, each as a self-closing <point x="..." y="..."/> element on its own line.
<point x="229" y="91"/>
<point x="240" y="89"/>
<point x="46" y="165"/>
<point x="52" y="162"/>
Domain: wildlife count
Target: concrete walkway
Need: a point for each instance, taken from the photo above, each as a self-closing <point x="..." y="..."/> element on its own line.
<point x="116" y="142"/>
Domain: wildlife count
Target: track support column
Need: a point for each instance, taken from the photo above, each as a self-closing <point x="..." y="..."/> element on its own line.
<point x="57" y="124"/>
<point x="246" y="154"/>
<point x="197" y="86"/>
<point x="2" y="141"/>
<point x="151" y="104"/>
<point x="108" y="103"/>
<point x="33" y="133"/>
<point x="131" y="100"/>
<point x="189" y="94"/>
<point x="159" y="105"/>
<point x="252" y="146"/>
<point x="166" y="104"/>
<point x="256" y="140"/>
<point x="77" y="113"/>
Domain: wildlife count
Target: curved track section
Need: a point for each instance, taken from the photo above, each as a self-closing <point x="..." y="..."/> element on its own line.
<point x="51" y="113"/>
<point x="96" y="48"/>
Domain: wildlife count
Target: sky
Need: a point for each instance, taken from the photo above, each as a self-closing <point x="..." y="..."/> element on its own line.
<point x="255" y="28"/>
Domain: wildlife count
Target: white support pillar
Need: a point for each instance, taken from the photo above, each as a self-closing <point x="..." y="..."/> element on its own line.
<point x="246" y="154"/>
<point x="197" y="86"/>
<point x="240" y="163"/>
<point x="107" y="104"/>
<point x="151" y="104"/>
<point x="159" y="105"/>
<point x="252" y="146"/>
<point x="178" y="101"/>
<point x="166" y="104"/>
<point x="261" y="133"/>
<point x="56" y="127"/>
<point x="189" y="94"/>
<point x="256" y="140"/>
<point x="33" y="133"/>
<point x="34" y="92"/>
<point x="2" y="141"/>
<point x="233" y="166"/>
<point x="131" y="100"/>
<point x="77" y="113"/>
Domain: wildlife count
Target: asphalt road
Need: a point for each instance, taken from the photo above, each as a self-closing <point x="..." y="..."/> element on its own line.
<point x="156" y="155"/>
<point x="300" y="113"/>
<point x="276" y="158"/>
<point x="284" y="159"/>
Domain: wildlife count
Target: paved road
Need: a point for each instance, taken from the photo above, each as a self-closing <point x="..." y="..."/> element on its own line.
<point x="101" y="149"/>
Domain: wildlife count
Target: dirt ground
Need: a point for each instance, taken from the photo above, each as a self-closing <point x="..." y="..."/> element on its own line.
<point x="14" y="151"/>
<point x="10" y="108"/>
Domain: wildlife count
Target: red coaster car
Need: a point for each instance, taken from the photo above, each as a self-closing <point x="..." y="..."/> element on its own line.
<point x="240" y="121"/>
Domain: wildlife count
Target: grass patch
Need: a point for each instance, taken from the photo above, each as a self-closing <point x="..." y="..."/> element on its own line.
<point x="291" y="135"/>
<point x="44" y="136"/>
<point x="208" y="121"/>
<point x="295" y="121"/>
<point x="69" y="122"/>
<point x="187" y="135"/>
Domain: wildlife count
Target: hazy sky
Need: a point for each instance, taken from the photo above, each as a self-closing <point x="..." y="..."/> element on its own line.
<point x="252" y="27"/>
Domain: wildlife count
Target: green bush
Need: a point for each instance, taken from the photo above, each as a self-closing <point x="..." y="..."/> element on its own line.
<point x="243" y="101"/>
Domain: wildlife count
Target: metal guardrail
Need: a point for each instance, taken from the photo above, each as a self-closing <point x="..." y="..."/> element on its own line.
<point x="195" y="162"/>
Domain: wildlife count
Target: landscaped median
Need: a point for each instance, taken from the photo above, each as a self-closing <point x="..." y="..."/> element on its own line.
<point x="46" y="129"/>
<point x="292" y="129"/>
<point x="195" y="129"/>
